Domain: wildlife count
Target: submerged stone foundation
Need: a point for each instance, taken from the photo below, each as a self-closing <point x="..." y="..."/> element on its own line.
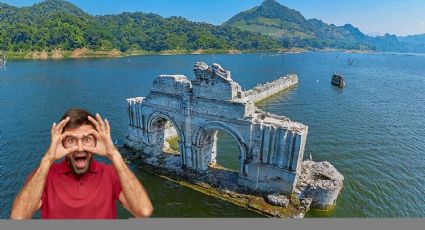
<point x="271" y="147"/>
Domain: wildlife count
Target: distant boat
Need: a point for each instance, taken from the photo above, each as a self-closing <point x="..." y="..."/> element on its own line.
<point x="338" y="80"/>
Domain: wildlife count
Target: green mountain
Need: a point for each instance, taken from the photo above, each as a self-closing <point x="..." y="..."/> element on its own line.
<point x="418" y="39"/>
<point x="413" y="43"/>
<point x="273" y="19"/>
<point x="294" y="30"/>
<point x="57" y="24"/>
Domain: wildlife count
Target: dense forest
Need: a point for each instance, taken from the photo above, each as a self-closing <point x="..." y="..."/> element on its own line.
<point x="60" y="25"/>
<point x="56" y="24"/>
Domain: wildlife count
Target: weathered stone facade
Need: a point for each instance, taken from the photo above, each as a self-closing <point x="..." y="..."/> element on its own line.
<point x="268" y="89"/>
<point x="271" y="147"/>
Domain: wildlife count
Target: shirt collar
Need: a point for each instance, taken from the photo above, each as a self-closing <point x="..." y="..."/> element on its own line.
<point x="63" y="167"/>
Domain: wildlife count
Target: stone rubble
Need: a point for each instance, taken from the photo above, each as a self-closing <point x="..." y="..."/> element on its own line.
<point x="278" y="200"/>
<point x="321" y="182"/>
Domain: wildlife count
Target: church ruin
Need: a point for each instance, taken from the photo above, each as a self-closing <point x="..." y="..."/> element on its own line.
<point x="271" y="147"/>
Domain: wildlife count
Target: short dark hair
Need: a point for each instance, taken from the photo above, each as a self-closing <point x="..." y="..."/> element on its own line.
<point x="78" y="117"/>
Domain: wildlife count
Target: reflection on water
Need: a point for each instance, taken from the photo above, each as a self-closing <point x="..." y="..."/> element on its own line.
<point x="228" y="153"/>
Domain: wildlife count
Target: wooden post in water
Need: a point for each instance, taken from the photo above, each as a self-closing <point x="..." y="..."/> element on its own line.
<point x="3" y="60"/>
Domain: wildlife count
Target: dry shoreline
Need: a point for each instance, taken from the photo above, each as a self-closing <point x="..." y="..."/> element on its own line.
<point x="58" y="54"/>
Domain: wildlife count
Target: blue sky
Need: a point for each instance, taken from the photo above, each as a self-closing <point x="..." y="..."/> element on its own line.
<point x="401" y="17"/>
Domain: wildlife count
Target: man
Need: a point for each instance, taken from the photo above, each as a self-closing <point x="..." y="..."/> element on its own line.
<point x="79" y="186"/>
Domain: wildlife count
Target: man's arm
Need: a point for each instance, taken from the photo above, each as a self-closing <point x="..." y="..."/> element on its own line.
<point x="133" y="196"/>
<point x="28" y="200"/>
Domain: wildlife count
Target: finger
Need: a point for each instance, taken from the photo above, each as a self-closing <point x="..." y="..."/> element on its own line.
<point x="108" y="128"/>
<point x="62" y="124"/>
<point x="52" y="130"/>
<point x="95" y="123"/>
<point x="90" y="149"/>
<point x="92" y="132"/>
<point x="70" y="150"/>
<point x="102" y="124"/>
<point x="68" y="134"/>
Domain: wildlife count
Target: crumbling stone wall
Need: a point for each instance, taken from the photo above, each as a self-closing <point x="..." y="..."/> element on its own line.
<point x="214" y="83"/>
<point x="271" y="147"/>
<point x="262" y="91"/>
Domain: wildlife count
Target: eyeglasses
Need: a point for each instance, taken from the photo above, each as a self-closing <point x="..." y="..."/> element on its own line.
<point x="70" y="141"/>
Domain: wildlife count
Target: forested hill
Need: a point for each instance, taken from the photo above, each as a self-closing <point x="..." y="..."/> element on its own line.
<point x="57" y="24"/>
<point x="60" y="25"/>
<point x="294" y="30"/>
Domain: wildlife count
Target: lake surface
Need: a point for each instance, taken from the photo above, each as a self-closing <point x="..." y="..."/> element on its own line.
<point x="372" y="130"/>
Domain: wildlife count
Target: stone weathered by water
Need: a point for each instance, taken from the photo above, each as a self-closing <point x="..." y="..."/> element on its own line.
<point x="321" y="182"/>
<point x="271" y="147"/>
<point x="278" y="200"/>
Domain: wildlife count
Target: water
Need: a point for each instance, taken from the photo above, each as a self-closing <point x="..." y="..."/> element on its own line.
<point x="372" y="130"/>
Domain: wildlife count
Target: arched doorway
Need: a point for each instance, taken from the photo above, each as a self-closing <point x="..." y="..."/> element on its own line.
<point x="211" y="146"/>
<point x="227" y="151"/>
<point x="164" y="134"/>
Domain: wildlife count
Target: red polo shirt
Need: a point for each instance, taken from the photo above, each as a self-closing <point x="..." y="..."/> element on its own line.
<point x="88" y="196"/>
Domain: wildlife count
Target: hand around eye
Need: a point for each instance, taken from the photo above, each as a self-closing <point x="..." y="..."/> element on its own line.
<point x="104" y="145"/>
<point x="56" y="150"/>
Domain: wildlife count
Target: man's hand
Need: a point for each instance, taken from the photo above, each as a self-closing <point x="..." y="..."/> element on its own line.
<point x="104" y="145"/>
<point x="28" y="201"/>
<point x="56" y="150"/>
<point x="133" y="195"/>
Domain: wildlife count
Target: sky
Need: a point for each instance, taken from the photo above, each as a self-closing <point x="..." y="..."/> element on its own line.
<point x="373" y="17"/>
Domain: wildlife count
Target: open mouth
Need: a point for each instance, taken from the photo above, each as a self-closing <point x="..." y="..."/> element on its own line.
<point x="80" y="161"/>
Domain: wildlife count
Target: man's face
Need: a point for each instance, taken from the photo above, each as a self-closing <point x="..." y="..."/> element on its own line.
<point x="79" y="160"/>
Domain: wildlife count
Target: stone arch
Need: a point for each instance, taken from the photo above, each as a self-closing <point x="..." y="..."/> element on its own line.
<point x="159" y="115"/>
<point x="214" y="126"/>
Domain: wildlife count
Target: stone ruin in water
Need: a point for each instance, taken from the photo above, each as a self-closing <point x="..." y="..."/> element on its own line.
<point x="271" y="147"/>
